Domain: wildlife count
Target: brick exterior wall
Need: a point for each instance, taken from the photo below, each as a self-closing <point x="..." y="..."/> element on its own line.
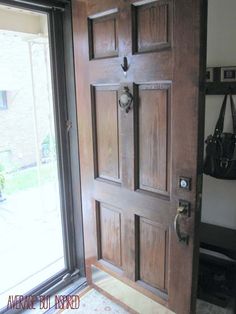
<point x="17" y="123"/>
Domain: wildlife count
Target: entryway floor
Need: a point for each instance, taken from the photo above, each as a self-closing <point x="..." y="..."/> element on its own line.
<point x="207" y="308"/>
<point x="92" y="301"/>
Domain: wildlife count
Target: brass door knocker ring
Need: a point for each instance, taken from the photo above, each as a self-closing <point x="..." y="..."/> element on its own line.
<point x="126" y="99"/>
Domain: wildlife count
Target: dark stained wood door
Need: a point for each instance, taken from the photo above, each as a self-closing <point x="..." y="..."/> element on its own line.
<point x="132" y="163"/>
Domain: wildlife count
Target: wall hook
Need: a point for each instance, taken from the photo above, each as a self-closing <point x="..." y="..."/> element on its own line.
<point x="125" y="66"/>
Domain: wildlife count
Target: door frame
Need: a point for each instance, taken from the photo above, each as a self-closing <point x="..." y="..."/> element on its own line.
<point x="201" y="146"/>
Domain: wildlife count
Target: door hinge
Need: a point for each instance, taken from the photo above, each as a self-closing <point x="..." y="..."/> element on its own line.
<point x="68" y="125"/>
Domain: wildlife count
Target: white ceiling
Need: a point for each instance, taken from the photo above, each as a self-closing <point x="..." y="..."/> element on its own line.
<point x="23" y="21"/>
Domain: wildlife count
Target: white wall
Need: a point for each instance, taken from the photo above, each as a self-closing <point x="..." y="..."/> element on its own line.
<point x="219" y="196"/>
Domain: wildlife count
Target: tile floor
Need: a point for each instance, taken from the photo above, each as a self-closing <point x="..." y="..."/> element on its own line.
<point x="94" y="302"/>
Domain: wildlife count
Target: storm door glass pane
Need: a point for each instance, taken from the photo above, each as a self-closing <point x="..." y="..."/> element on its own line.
<point x="31" y="242"/>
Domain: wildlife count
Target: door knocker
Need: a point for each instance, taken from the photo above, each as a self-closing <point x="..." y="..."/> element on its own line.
<point x="126" y="99"/>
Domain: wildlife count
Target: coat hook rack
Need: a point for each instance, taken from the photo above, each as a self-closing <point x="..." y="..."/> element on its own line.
<point x="220" y="80"/>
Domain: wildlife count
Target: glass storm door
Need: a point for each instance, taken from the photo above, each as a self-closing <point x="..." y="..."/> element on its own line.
<point x="31" y="221"/>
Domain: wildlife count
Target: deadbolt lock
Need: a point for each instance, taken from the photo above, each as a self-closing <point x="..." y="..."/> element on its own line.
<point x="185" y="183"/>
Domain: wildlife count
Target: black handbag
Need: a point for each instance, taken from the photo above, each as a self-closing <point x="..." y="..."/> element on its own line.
<point x="220" y="160"/>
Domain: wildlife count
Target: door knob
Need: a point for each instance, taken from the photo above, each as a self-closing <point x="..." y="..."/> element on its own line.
<point x="182" y="211"/>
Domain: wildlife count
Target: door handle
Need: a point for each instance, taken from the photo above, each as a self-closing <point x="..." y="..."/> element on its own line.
<point x="182" y="210"/>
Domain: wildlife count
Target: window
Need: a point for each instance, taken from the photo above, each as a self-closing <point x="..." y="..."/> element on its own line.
<point x="3" y="100"/>
<point x="40" y="227"/>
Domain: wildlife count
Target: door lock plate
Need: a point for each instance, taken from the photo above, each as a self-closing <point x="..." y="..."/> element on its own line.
<point x="185" y="183"/>
<point x="187" y="207"/>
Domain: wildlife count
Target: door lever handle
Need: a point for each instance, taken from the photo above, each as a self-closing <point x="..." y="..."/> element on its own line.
<point x="181" y="211"/>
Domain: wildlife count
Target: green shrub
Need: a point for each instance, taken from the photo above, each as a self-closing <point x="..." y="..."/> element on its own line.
<point x="2" y="177"/>
<point x="2" y="181"/>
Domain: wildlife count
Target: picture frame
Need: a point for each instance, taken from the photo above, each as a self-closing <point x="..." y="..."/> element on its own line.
<point x="228" y="74"/>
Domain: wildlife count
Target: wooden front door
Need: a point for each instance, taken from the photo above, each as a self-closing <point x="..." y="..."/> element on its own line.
<point x="139" y="166"/>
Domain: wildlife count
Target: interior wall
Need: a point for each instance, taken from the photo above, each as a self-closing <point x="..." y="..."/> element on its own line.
<point x="219" y="196"/>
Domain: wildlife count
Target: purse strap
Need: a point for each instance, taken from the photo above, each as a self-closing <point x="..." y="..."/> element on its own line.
<point x="233" y="110"/>
<point x="220" y="123"/>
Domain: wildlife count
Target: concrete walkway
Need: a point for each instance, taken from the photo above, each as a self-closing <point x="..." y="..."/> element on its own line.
<point x="31" y="243"/>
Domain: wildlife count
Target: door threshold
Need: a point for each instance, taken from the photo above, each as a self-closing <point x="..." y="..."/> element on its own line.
<point x="133" y="300"/>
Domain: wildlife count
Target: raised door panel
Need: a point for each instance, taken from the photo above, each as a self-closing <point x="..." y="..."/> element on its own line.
<point x="151" y="26"/>
<point x="106" y="132"/>
<point x="109" y="234"/>
<point x="153" y="137"/>
<point x="153" y="254"/>
<point x="103" y="39"/>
